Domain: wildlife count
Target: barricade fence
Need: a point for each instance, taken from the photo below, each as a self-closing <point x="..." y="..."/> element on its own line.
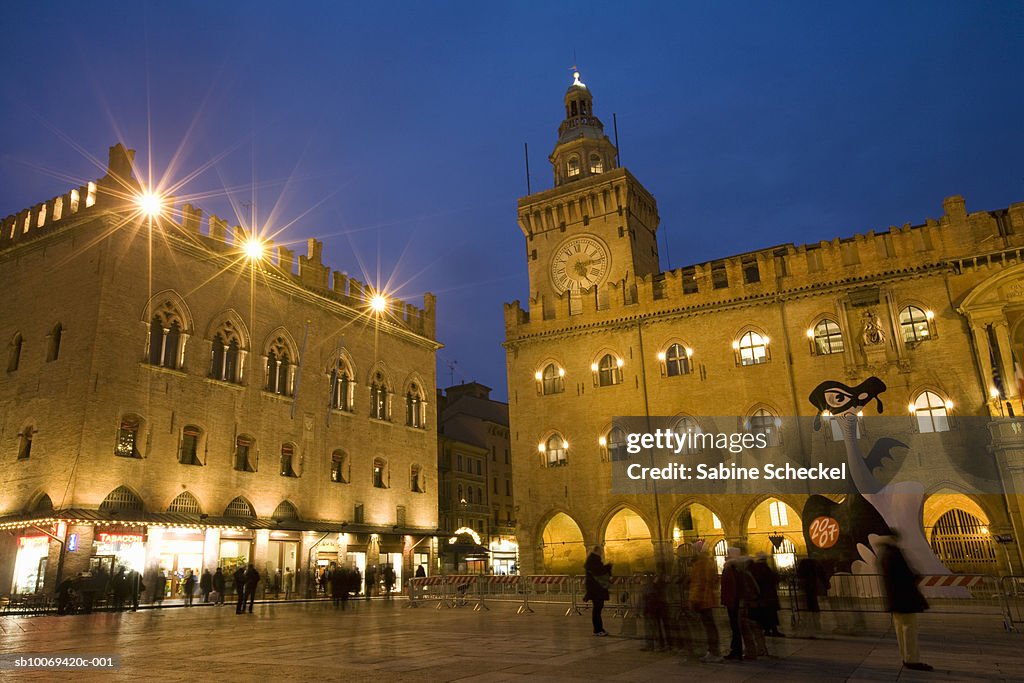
<point x="857" y="594"/>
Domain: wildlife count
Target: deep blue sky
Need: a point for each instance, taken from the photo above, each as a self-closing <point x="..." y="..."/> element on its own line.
<point x="403" y="124"/>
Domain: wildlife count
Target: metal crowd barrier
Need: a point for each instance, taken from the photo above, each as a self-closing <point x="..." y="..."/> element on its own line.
<point x="1011" y="588"/>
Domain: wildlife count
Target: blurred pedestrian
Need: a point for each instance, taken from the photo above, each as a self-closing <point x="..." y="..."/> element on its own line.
<point x="136" y="588"/>
<point x="655" y="610"/>
<point x="252" y="580"/>
<point x="289" y="582"/>
<point x="188" y="587"/>
<point x="812" y="582"/>
<point x="766" y="609"/>
<point x="119" y="588"/>
<point x="218" y="587"/>
<point x="598" y="578"/>
<point x="239" y="577"/>
<point x="206" y="584"/>
<point x="389" y="579"/>
<point x="160" y="587"/>
<point x="739" y="591"/>
<point x="904" y="599"/>
<point x="371" y="581"/>
<point x="703" y="587"/>
<point x="339" y="584"/>
<point x="421" y="572"/>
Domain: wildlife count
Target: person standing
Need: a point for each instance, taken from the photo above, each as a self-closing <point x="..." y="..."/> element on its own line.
<point x="813" y="583"/>
<point x="421" y="572"/>
<point x="206" y="584"/>
<point x="703" y="586"/>
<point x="389" y="579"/>
<point x="252" y="580"/>
<point x="338" y="582"/>
<point x="239" y="577"/>
<point x="904" y="599"/>
<point x="289" y="582"/>
<point x="160" y="587"/>
<point x="598" y="577"/>
<point x="371" y="581"/>
<point x="188" y="587"/>
<point x="119" y="588"/>
<point x="739" y="591"/>
<point x="218" y="586"/>
<point x="136" y="588"/>
<point x="766" y="612"/>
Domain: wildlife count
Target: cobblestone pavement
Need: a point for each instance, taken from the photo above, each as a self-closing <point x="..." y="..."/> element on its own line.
<point x="385" y="641"/>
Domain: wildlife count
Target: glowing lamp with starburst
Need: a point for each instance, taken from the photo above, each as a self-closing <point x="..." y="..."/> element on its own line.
<point x="150" y="204"/>
<point x="253" y="249"/>
<point x="378" y="303"/>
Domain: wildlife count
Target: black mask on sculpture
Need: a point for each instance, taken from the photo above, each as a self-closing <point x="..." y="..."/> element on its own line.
<point x="838" y="398"/>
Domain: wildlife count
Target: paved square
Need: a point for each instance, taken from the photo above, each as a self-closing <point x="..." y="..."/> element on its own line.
<point x="386" y="641"/>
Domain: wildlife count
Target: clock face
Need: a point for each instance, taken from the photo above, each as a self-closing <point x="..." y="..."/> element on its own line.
<point x="579" y="263"/>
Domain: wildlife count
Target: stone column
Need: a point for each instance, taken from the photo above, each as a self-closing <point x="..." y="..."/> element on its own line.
<point x="1008" y="448"/>
<point x="259" y="559"/>
<point x="211" y="549"/>
<point x="1002" y="331"/>
<point x="983" y="360"/>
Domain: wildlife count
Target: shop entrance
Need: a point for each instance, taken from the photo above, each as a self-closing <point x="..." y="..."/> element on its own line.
<point x="396" y="563"/>
<point x="30" y="564"/>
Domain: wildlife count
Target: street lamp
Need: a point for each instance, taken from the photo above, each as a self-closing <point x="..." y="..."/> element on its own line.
<point x="378" y="303"/>
<point x="253" y="249"/>
<point x="150" y="203"/>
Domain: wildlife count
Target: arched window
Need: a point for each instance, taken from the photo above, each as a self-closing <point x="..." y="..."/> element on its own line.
<point x="677" y="360"/>
<point x="752" y="348"/>
<point x="128" y="434"/>
<point x="340" y="467"/>
<point x="462" y="498"/>
<point x="609" y="370"/>
<point x="572" y="166"/>
<point x="166" y="336"/>
<point x="123" y="499"/>
<point x="185" y="503"/>
<point x="828" y="338"/>
<point x="342" y="387"/>
<point x="617" y="444"/>
<point x="380" y="474"/>
<point x="932" y="412"/>
<point x="596" y="163"/>
<point x="778" y="513"/>
<point x="379" y="400"/>
<point x="414" y="407"/>
<point x="284" y="512"/>
<point x="556" y="448"/>
<point x="687" y="428"/>
<point x="239" y="507"/>
<point x="226" y="354"/>
<point x="188" y="451"/>
<point x="416" y="483"/>
<point x="25" y="442"/>
<point x="14" y="353"/>
<point x="279" y="367"/>
<point x="761" y="421"/>
<point x="915" y="324"/>
<point x="53" y="347"/>
<point x="963" y="543"/>
<point x="245" y="454"/>
<point x="552" y="379"/>
<point x="288" y="460"/>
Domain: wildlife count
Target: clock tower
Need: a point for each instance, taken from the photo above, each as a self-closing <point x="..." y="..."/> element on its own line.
<point x="597" y="225"/>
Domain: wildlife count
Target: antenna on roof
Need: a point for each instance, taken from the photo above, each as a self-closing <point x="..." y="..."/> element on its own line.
<point x="615" y="127"/>
<point x="526" y="153"/>
<point x="451" y="371"/>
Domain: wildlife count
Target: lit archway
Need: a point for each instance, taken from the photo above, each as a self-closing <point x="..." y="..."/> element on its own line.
<point x="958" y="531"/>
<point x="562" y="547"/>
<point x="627" y="543"/>
<point x="775" y="528"/>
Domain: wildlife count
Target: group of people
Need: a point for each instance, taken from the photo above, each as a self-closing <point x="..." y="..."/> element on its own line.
<point x="748" y="589"/>
<point x="81" y="593"/>
<point x="343" y="581"/>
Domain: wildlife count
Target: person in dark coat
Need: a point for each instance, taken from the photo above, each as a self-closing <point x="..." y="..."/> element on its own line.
<point x="218" y="585"/>
<point x="739" y="591"/>
<point x="252" y="580"/>
<point x="239" y="577"/>
<point x="64" y="596"/>
<point x="159" y="587"/>
<point x="206" y="584"/>
<point x="339" y="585"/>
<point x="389" y="579"/>
<point x="904" y="600"/>
<point x="813" y="583"/>
<point x="598" y="576"/>
<point x="119" y="589"/>
<point x="188" y="587"/>
<point x="766" y="610"/>
<point x="135" y="588"/>
<point x="421" y="572"/>
<point x="655" y="610"/>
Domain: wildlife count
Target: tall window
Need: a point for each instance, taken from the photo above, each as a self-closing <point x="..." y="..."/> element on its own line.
<point x="572" y="166"/>
<point x="609" y="370"/>
<point x="617" y="444"/>
<point x="166" y="336"/>
<point x="341" y="386"/>
<point x="556" y="449"/>
<point x="677" y="361"/>
<point x="379" y="398"/>
<point x="188" y="452"/>
<point x="279" y="368"/>
<point x="25" y="443"/>
<point x="552" y="379"/>
<point x="14" y="353"/>
<point x="753" y="349"/>
<point x="914" y="324"/>
<point x="596" y="164"/>
<point x="288" y="461"/>
<point x="380" y="474"/>
<point x="416" y="479"/>
<point x="226" y="354"/>
<point x="128" y="438"/>
<point x="932" y="412"/>
<point x="414" y="407"/>
<point x="763" y="422"/>
<point x="778" y="513"/>
<point x="244" y="454"/>
<point x="339" y="467"/>
<point x="828" y="338"/>
<point x="53" y="347"/>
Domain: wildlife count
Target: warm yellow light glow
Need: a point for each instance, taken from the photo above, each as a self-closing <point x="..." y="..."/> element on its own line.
<point x="601" y="441"/>
<point x="253" y="249"/>
<point x="912" y="408"/>
<point x="561" y="372"/>
<point x="766" y="340"/>
<point x="689" y="352"/>
<point x="593" y="367"/>
<point x="661" y="355"/>
<point x="150" y="203"/>
<point x="565" y="444"/>
<point x="618" y="362"/>
<point x="860" y="413"/>
<point x="984" y="530"/>
<point x="541" y="447"/>
<point x="538" y="376"/>
<point x="993" y="392"/>
<point x="826" y="413"/>
<point x="378" y="303"/>
<point x="810" y="333"/>
<point x="929" y="314"/>
<point x="736" y="344"/>
<point x="949" y="405"/>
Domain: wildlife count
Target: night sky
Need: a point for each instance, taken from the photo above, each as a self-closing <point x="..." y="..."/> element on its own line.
<point x="394" y="131"/>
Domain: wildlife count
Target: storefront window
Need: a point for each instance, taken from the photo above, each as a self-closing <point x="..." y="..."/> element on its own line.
<point x="123" y="548"/>
<point x="30" y="565"/>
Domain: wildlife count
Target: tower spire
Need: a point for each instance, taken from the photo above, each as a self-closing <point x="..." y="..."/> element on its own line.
<point x="582" y="150"/>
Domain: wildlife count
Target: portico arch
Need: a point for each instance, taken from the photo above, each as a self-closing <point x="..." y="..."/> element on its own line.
<point x="627" y="542"/>
<point x="562" y="548"/>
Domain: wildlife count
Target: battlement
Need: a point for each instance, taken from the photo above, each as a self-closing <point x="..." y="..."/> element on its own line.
<point x="115" y="194"/>
<point x="786" y="269"/>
